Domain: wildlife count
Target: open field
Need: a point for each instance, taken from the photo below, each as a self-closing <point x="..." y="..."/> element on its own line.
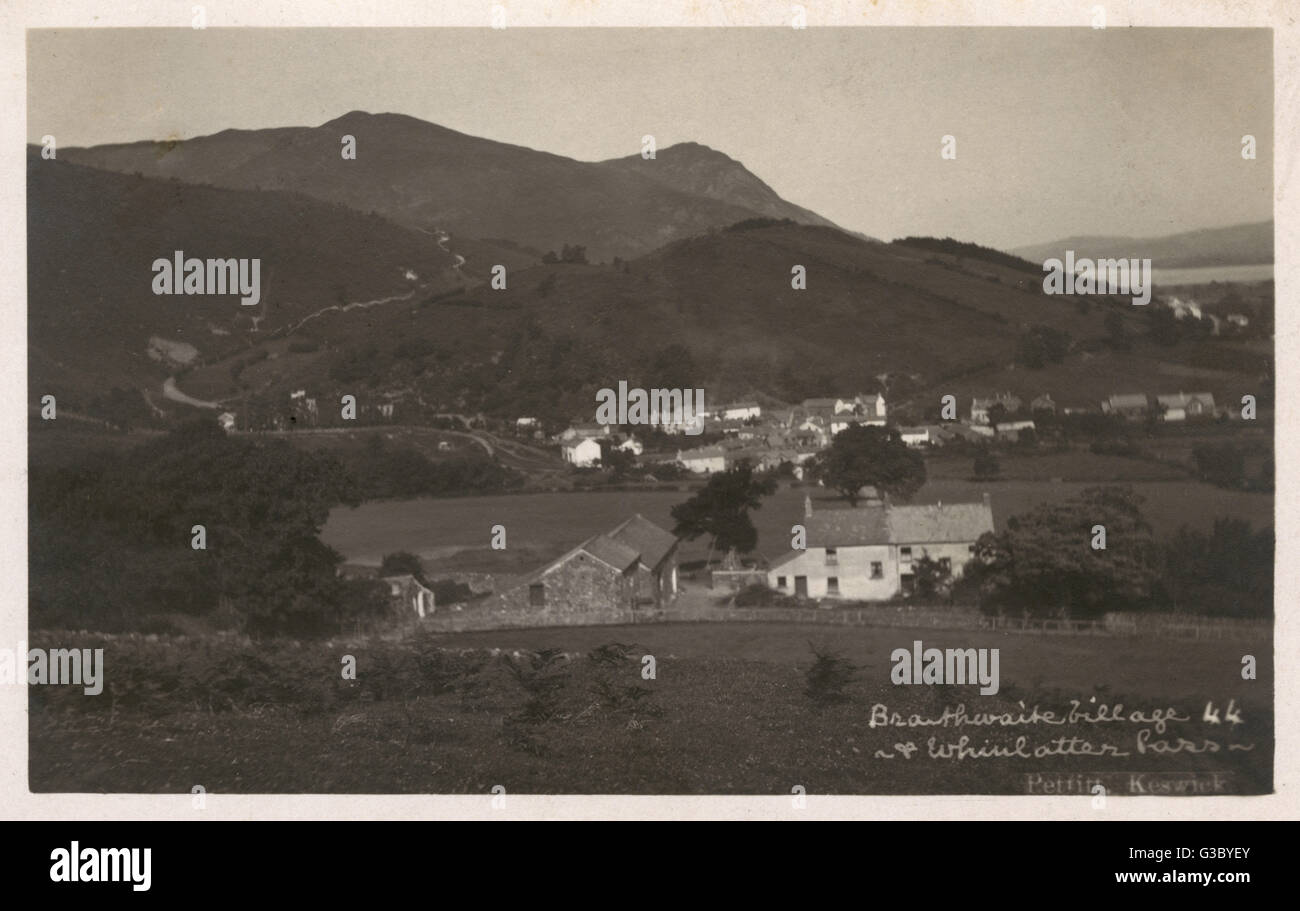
<point x="553" y="522"/>
<point x="727" y="712"/>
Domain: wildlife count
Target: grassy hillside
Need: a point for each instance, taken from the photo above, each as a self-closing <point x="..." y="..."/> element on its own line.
<point x="93" y="236"/>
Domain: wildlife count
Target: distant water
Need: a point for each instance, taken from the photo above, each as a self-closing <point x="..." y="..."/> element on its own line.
<point x="1203" y="275"/>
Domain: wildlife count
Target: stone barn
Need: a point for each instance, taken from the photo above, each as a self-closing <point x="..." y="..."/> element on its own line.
<point x="635" y="565"/>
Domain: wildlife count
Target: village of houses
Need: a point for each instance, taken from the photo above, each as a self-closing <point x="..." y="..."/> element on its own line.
<point x="867" y="553"/>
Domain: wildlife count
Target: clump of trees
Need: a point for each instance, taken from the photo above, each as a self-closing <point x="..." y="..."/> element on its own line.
<point x="1045" y="562"/>
<point x="1226" y="572"/>
<point x="570" y="253"/>
<point x="114" y="543"/>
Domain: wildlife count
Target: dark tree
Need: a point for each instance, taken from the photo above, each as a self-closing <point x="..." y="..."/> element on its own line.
<point x="930" y="577"/>
<point x="862" y="454"/>
<point x="721" y="509"/>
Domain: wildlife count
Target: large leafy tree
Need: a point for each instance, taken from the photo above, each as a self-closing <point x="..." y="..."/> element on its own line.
<point x="863" y="454"/>
<point x="721" y="509"/>
<point x="1045" y="563"/>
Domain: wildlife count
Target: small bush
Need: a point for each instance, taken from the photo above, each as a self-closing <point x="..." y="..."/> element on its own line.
<point x="828" y="677"/>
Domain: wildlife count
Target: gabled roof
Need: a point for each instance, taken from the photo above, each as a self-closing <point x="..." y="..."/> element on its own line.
<point x="646" y="538"/>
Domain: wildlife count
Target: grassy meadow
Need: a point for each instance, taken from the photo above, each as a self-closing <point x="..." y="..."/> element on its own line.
<point x="728" y="712"/>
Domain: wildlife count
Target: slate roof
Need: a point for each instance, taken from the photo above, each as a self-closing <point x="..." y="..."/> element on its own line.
<point x="646" y="538"/>
<point x="932" y="524"/>
<point x="939" y="523"/>
<point x="607" y="550"/>
<point x="847" y="527"/>
<point x="1129" y="400"/>
<point x="704" y="452"/>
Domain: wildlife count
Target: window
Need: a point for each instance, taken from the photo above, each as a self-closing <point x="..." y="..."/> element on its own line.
<point x="877" y="570"/>
<point x="780" y="581"/>
<point x="945" y="564"/>
<point x="537" y="595"/>
<point x="970" y="548"/>
<point x="832" y="557"/>
<point x="833" y="585"/>
<point x="905" y="554"/>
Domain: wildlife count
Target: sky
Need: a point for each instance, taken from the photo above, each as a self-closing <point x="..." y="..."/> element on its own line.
<point x="1059" y="132"/>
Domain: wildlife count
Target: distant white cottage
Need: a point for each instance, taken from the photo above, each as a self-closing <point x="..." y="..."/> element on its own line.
<point x="705" y="460"/>
<point x="1186" y="405"/>
<point x="582" y="453"/>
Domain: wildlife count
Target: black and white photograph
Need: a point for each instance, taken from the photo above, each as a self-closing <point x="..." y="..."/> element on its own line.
<point x="791" y="411"/>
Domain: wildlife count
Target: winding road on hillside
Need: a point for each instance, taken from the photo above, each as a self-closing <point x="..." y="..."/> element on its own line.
<point x="172" y="392"/>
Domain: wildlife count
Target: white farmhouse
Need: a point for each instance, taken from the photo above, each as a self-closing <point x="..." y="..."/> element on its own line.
<point x="869" y="553"/>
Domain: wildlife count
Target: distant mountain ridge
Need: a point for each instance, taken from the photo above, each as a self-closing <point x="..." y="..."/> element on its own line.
<point x="425" y="176"/>
<point x="1237" y="245"/>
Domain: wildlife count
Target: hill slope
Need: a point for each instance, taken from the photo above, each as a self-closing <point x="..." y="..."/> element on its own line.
<point x="93" y="236"/>
<point x="426" y="176"/>
<point x="917" y="319"/>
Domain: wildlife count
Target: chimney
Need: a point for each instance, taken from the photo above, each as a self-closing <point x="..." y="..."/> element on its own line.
<point x="807" y="506"/>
